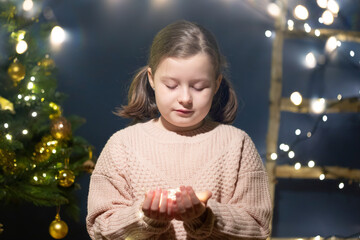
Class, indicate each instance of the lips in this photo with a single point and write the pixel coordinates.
(183, 111)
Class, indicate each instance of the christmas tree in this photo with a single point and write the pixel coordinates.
(40, 158)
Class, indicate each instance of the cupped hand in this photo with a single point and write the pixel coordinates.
(190, 205)
(157, 206)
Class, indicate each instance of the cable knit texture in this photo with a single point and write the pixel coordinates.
(215, 157)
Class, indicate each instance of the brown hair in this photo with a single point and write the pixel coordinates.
(181, 39)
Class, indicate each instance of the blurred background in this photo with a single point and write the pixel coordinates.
(107, 41)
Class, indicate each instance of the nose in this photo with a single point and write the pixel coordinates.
(185, 97)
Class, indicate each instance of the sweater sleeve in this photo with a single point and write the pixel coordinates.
(247, 214)
(112, 211)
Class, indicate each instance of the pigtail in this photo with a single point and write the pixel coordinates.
(141, 99)
(224, 105)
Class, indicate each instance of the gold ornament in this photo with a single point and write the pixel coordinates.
(66, 177)
(61, 128)
(44, 149)
(46, 63)
(17, 72)
(8, 161)
(89, 165)
(58, 229)
(6, 105)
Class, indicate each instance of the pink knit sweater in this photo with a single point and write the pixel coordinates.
(215, 157)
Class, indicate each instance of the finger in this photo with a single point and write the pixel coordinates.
(154, 210)
(147, 202)
(170, 211)
(188, 205)
(179, 203)
(204, 196)
(194, 199)
(163, 206)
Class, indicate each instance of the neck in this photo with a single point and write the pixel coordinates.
(170, 127)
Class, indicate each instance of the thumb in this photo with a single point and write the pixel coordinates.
(204, 196)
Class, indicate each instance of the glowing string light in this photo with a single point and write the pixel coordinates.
(310, 60)
(328, 17)
(322, 3)
(311, 164)
(28, 5)
(268, 33)
(296, 98)
(301, 12)
(21, 47)
(57, 35)
(333, 6)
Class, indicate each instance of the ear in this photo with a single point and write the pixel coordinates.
(218, 82)
(150, 78)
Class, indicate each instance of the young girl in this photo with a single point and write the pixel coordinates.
(180, 172)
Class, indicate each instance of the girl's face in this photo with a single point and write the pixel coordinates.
(184, 89)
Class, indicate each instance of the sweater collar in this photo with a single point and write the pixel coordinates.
(158, 132)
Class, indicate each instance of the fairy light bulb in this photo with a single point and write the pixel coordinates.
(273, 9)
(291, 154)
(333, 6)
(273, 156)
(311, 164)
(322, 176)
(21, 47)
(34, 114)
(327, 17)
(19, 96)
(297, 166)
(341, 185)
(317, 32)
(297, 132)
(352, 53)
(339, 97)
(30, 85)
(8, 137)
(307, 27)
(331, 44)
(318, 105)
(286, 148)
(25, 131)
(28, 5)
(268, 33)
(301, 12)
(324, 118)
(310, 60)
(290, 24)
(322, 3)
(296, 98)
(6, 125)
(57, 35)
(308, 134)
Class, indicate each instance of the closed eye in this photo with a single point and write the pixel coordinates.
(171, 86)
(199, 88)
